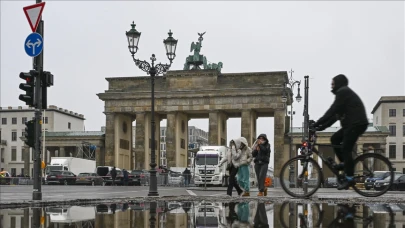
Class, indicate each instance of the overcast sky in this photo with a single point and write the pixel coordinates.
(85, 43)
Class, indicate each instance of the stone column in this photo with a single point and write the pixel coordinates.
(280, 158)
(109, 139)
(62, 152)
(26, 217)
(171, 142)
(248, 126)
(140, 141)
(217, 133)
(384, 152)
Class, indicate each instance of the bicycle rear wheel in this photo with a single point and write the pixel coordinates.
(293, 174)
(364, 167)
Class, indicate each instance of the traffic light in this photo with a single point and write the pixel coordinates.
(47, 81)
(30, 133)
(28, 87)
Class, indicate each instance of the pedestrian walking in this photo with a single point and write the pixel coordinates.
(261, 154)
(113, 173)
(245, 160)
(186, 175)
(232, 157)
(126, 178)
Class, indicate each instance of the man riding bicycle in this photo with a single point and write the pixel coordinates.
(350, 110)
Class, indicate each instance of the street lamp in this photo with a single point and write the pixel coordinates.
(291, 84)
(170, 45)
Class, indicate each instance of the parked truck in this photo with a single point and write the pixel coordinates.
(207, 160)
(72, 164)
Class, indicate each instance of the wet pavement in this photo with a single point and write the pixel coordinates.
(190, 214)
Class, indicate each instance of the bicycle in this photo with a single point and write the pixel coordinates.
(311, 169)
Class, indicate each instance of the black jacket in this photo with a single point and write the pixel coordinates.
(347, 107)
(262, 155)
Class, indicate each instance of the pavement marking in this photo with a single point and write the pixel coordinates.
(55, 196)
(103, 193)
(191, 192)
(218, 194)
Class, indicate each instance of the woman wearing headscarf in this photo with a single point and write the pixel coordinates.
(261, 154)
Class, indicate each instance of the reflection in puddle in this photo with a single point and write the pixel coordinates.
(207, 214)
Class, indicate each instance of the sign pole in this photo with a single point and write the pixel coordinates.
(38, 66)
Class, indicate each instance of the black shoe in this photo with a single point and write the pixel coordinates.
(346, 184)
(339, 167)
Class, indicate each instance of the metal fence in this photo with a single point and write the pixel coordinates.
(163, 179)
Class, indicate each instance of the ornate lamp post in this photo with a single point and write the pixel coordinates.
(170, 44)
(291, 84)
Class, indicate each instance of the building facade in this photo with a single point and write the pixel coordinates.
(390, 112)
(12, 128)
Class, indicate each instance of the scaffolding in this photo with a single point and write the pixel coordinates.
(86, 150)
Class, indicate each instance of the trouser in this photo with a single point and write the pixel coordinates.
(232, 181)
(261, 216)
(243, 212)
(243, 177)
(347, 137)
(113, 181)
(261, 173)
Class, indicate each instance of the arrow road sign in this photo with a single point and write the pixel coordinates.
(33, 14)
(33, 44)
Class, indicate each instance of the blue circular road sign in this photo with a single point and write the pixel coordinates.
(34, 44)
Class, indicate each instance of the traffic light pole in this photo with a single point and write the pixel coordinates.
(38, 66)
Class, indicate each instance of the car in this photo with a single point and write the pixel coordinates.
(331, 182)
(61, 177)
(377, 175)
(137, 175)
(398, 183)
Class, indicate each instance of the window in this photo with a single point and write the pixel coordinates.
(392, 113)
(392, 151)
(32, 155)
(22, 171)
(162, 139)
(24, 120)
(22, 154)
(403, 112)
(46, 120)
(191, 131)
(14, 154)
(13, 171)
(393, 130)
(163, 133)
(403, 151)
(403, 170)
(376, 120)
(69, 125)
(4, 121)
(14, 120)
(14, 136)
(403, 130)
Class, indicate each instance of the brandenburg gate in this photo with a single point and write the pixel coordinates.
(181, 95)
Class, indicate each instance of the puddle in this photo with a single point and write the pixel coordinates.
(207, 214)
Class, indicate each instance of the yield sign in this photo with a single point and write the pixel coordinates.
(33, 14)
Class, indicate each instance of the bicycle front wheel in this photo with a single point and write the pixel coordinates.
(301, 177)
(365, 167)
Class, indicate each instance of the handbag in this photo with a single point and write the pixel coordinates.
(228, 167)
